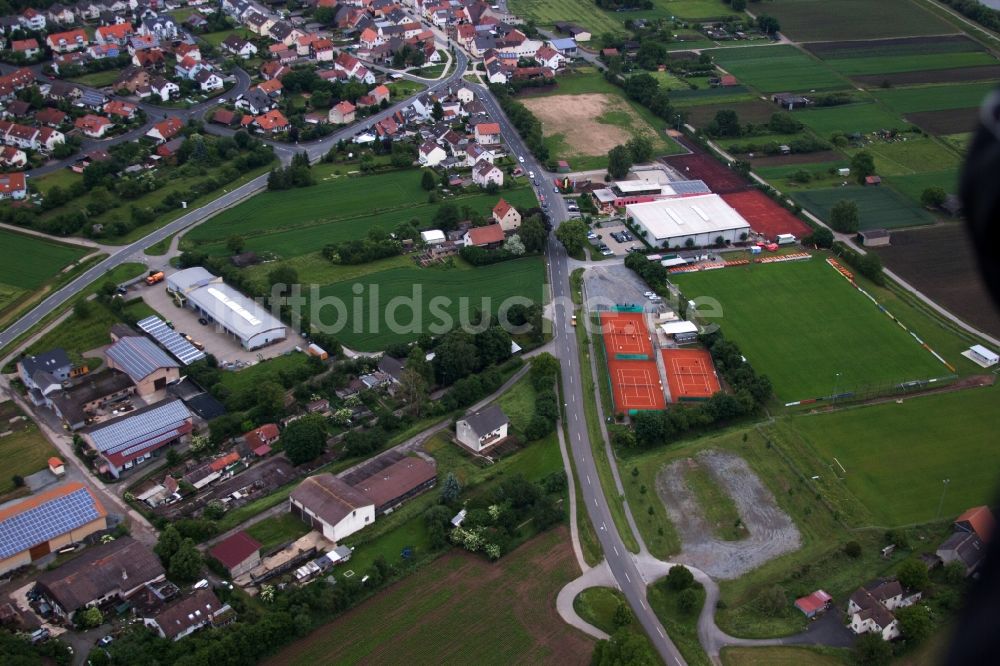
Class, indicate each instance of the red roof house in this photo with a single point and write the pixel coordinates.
(239, 553)
(978, 520)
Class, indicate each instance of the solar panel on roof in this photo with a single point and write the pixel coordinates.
(139, 357)
(181, 349)
(140, 430)
(46, 521)
(689, 187)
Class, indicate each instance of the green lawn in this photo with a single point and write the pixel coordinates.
(849, 118)
(399, 304)
(265, 371)
(819, 20)
(98, 79)
(680, 626)
(935, 98)
(780, 656)
(782, 68)
(64, 178)
(909, 63)
(913, 155)
(896, 455)
(24, 451)
(913, 185)
(879, 207)
(597, 605)
(276, 530)
(802, 324)
(28, 262)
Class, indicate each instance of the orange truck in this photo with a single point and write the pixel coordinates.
(154, 277)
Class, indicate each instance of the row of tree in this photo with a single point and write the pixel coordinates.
(297, 174)
(524, 121)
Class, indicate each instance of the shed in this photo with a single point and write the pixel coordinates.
(874, 237)
(814, 604)
(432, 236)
(239, 553)
(873, 180)
(982, 356)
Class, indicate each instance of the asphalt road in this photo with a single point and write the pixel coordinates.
(133, 251)
(620, 561)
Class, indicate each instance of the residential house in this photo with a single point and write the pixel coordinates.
(188, 50)
(506, 216)
(239, 47)
(129, 440)
(465, 94)
(22, 136)
(474, 153)
(60, 15)
(149, 59)
(490, 236)
(132, 78)
(51, 117)
(163, 27)
(484, 173)
(12, 186)
(549, 57)
(29, 48)
(149, 366)
(94, 126)
(380, 93)
(45, 522)
(165, 129)
(88, 10)
(49, 138)
(45, 372)
(272, 88)
(17, 108)
(264, 436)
(32, 19)
(566, 47)
(273, 121)
(255, 101)
(977, 520)
(224, 117)
(274, 70)
(114, 34)
(208, 81)
(183, 617)
(163, 88)
(488, 134)
(870, 608)
(321, 50)
(103, 573)
(169, 149)
(187, 68)
(77, 402)
(496, 72)
(13, 158)
(342, 113)
(431, 154)
(483, 429)
(64, 42)
(122, 110)
(332, 506)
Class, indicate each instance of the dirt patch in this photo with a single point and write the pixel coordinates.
(939, 262)
(575, 118)
(797, 158)
(415, 620)
(949, 121)
(955, 75)
(771, 530)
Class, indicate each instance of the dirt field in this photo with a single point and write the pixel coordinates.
(772, 532)
(938, 261)
(956, 75)
(699, 165)
(460, 609)
(765, 215)
(575, 118)
(797, 158)
(950, 121)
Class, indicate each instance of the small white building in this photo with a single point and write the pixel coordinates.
(431, 154)
(687, 221)
(981, 356)
(432, 236)
(483, 429)
(331, 506)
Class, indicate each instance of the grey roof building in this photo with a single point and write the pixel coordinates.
(138, 357)
(129, 440)
(482, 429)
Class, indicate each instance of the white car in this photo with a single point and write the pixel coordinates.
(655, 298)
(649, 294)
(607, 253)
(520, 159)
(591, 235)
(531, 174)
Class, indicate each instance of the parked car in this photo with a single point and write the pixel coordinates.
(106, 641)
(520, 158)
(607, 252)
(555, 190)
(591, 235)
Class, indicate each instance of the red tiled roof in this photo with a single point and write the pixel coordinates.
(501, 208)
(488, 128)
(491, 233)
(11, 182)
(980, 519)
(235, 550)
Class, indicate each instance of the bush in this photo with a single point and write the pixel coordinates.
(679, 578)
(852, 549)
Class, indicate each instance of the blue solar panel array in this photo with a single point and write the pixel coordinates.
(132, 433)
(182, 350)
(139, 357)
(690, 187)
(46, 521)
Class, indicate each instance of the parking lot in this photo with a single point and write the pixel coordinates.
(614, 284)
(617, 238)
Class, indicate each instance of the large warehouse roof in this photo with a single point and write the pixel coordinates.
(222, 303)
(687, 216)
(141, 429)
(139, 357)
(46, 516)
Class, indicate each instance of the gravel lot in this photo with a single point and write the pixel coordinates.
(772, 532)
(613, 284)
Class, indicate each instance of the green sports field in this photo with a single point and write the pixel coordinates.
(878, 207)
(781, 68)
(822, 20)
(437, 293)
(802, 323)
(896, 455)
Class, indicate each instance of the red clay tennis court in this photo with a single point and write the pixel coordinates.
(635, 385)
(765, 215)
(626, 334)
(697, 165)
(690, 374)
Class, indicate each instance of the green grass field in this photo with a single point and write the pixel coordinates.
(896, 455)
(912, 186)
(819, 20)
(802, 324)
(879, 207)
(935, 98)
(98, 79)
(909, 63)
(681, 627)
(780, 656)
(266, 371)
(293, 223)
(427, 297)
(24, 451)
(914, 155)
(29, 261)
(850, 118)
(581, 12)
(277, 530)
(781, 68)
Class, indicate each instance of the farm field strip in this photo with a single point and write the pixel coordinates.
(909, 63)
(935, 98)
(27, 262)
(781, 68)
(820, 20)
(879, 207)
(900, 46)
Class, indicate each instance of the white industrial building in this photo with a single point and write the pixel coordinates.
(702, 219)
(249, 323)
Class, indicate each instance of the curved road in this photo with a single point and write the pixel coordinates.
(315, 151)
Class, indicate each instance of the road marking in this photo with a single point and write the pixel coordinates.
(588, 480)
(616, 551)
(643, 603)
(579, 437)
(604, 526)
(660, 631)
(627, 578)
(595, 502)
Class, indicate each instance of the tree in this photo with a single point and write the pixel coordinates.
(844, 217)
(738, 5)
(168, 544)
(623, 615)
(514, 245)
(573, 235)
(455, 357)
(624, 647)
(773, 601)
(533, 234)
(185, 565)
(451, 488)
(954, 572)
(933, 197)
(870, 266)
(413, 389)
(89, 618)
(852, 549)
(304, 439)
(640, 148)
(428, 181)
(437, 111)
(679, 578)
(912, 575)
(83, 309)
(822, 237)
(687, 600)
(619, 162)
(862, 165)
(915, 623)
(283, 274)
(725, 124)
(768, 24)
(871, 650)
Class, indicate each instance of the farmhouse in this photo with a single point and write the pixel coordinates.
(870, 608)
(148, 365)
(331, 506)
(130, 440)
(105, 572)
(688, 221)
(185, 616)
(490, 236)
(44, 372)
(483, 429)
(506, 216)
(405, 478)
(75, 404)
(239, 553)
(43, 523)
(246, 321)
